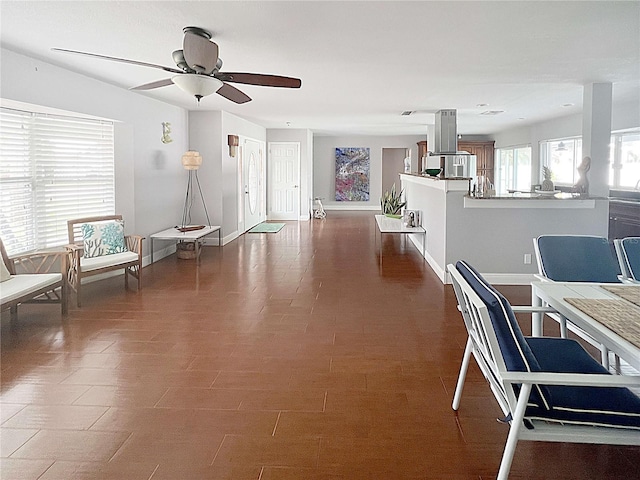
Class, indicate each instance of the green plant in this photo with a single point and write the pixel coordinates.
(391, 201)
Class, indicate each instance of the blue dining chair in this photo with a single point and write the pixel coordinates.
(549, 389)
(575, 258)
(628, 252)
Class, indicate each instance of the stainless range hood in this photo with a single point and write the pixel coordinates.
(446, 131)
(452, 163)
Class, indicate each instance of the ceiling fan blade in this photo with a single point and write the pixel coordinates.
(116, 59)
(150, 86)
(260, 79)
(200, 54)
(232, 93)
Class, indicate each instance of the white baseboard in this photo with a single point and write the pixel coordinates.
(493, 278)
(352, 207)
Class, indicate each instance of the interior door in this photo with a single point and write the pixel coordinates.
(253, 183)
(284, 181)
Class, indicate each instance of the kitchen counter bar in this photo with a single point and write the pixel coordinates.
(495, 234)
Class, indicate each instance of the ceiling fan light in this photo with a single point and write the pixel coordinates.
(197, 85)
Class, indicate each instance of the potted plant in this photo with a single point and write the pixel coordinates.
(391, 202)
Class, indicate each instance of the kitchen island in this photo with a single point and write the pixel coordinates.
(494, 234)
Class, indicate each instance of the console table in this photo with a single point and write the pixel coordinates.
(396, 225)
(195, 236)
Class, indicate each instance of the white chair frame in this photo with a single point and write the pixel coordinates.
(621, 253)
(483, 345)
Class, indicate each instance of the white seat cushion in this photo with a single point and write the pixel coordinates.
(4, 271)
(23, 284)
(95, 263)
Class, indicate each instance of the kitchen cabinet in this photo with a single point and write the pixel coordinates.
(422, 151)
(624, 219)
(484, 152)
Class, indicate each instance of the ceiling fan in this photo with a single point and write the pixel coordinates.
(198, 71)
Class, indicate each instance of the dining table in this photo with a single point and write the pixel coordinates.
(609, 313)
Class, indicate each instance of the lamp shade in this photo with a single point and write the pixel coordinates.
(191, 160)
(197, 85)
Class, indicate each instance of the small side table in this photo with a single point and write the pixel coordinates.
(395, 226)
(196, 236)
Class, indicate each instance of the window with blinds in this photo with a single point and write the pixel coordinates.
(52, 169)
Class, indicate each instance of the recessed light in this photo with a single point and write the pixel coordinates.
(482, 105)
(492, 112)
(520, 118)
(567, 104)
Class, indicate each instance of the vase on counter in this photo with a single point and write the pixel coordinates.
(547, 183)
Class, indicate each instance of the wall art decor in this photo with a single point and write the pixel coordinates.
(352, 174)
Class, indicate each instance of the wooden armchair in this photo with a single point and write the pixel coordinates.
(84, 265)
(34, 280)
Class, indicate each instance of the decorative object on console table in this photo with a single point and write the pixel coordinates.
(191, 161)
(391, 202)
(411, 218)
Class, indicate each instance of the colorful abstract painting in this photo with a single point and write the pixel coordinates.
(352, 174)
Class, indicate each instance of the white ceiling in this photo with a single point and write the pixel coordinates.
(361, 63)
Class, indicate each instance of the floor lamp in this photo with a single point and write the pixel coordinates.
(191, 161)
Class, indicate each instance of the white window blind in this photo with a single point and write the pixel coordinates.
(52, 169)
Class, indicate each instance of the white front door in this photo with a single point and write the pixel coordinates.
(284, 181)
(253, 183)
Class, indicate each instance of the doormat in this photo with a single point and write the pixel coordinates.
(267, 228)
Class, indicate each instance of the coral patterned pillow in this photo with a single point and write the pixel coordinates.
(103, 238)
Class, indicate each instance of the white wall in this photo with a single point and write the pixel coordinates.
(204, 137)
(324, 166)
(219, 173)
(623, 116)
(305, 139)
(150, 180)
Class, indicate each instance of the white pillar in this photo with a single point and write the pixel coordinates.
(596, 135)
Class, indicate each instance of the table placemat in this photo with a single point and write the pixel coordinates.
(629, 292)
(618, 315)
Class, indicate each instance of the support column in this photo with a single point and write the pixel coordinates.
(596, 135)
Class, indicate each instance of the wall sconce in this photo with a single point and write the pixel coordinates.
(232, 141)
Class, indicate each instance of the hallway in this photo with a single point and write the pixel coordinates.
(281, 356)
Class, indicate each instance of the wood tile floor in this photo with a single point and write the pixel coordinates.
(282, 356)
